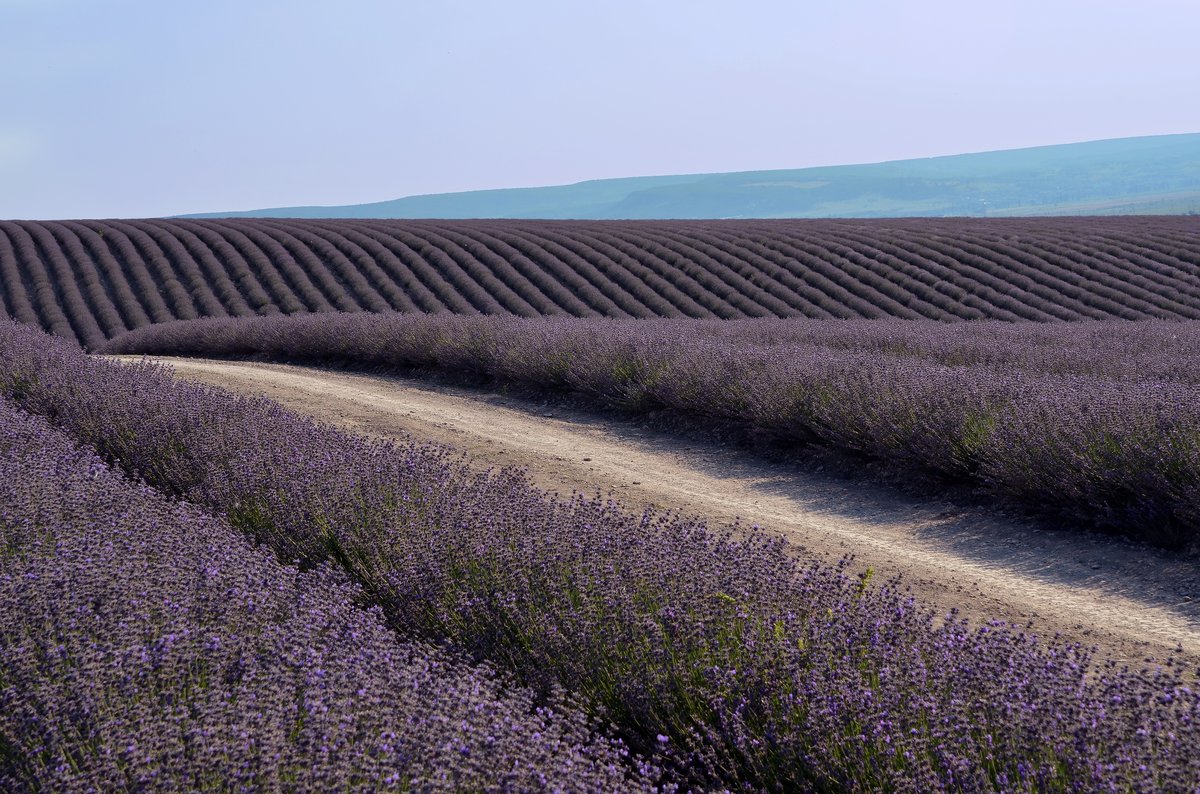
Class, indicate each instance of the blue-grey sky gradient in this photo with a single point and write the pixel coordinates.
(122, 108)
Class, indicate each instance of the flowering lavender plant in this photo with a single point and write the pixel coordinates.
(149, 646)
(728, 661)
(1095, 421)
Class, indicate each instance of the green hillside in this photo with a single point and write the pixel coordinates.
(1146, 175)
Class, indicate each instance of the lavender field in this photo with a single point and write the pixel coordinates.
(215, 593)
(1095, 422)
(91, 280)
(719, 663)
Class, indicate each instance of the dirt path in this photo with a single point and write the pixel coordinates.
(1129, 600)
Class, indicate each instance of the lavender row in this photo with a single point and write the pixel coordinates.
(1098, 422)
(91, 280)
(149, 646)
(727, 661)
(1149, 350)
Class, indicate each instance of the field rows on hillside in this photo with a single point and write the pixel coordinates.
(91, 280)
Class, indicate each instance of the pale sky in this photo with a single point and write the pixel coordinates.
(125, 108)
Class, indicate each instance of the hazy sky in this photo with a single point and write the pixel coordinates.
(155, 107)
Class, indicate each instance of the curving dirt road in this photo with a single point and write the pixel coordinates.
(1130, 601)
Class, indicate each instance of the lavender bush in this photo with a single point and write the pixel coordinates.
(148, 646)
(726, 660)
(1096, 421)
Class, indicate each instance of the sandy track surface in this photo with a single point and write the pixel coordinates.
(1129, 600)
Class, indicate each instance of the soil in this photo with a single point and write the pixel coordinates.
(1132, 602)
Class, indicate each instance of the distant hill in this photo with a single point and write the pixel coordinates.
(1125, 176)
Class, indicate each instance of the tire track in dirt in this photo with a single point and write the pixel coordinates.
(1129, 600)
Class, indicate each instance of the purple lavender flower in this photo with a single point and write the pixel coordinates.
(763, 672)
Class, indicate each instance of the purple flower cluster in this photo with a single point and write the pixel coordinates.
(148, 646)
(728, 662)
(1096, 421)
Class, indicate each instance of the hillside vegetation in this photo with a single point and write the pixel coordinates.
(92, 280)
(1150, 174)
